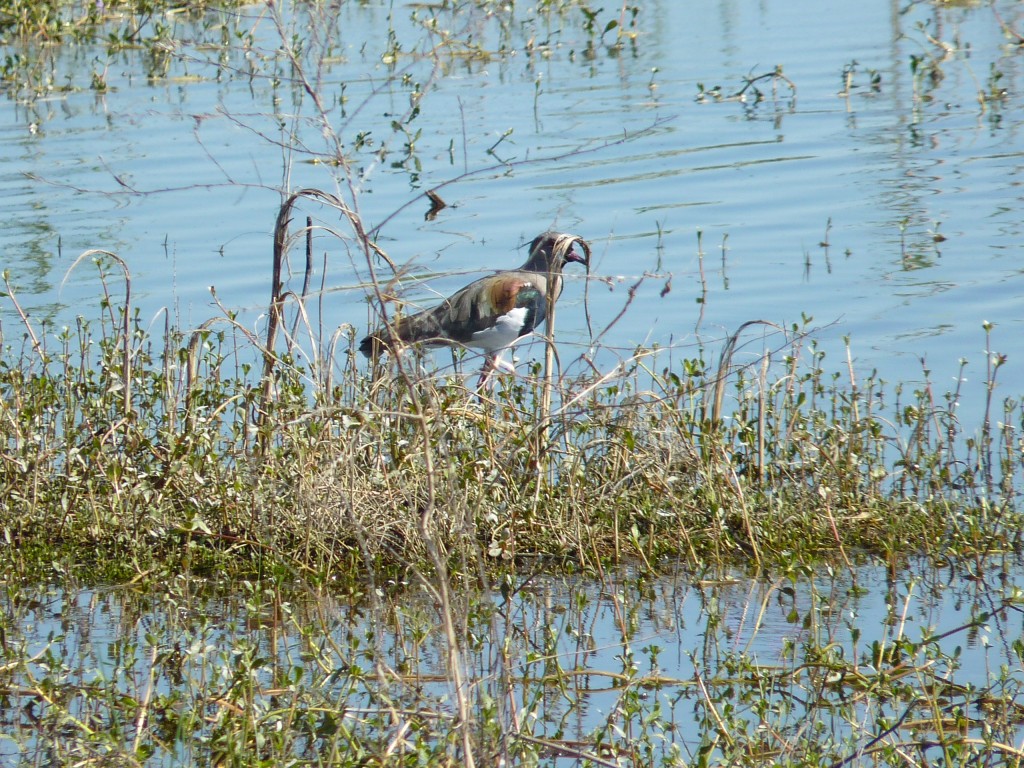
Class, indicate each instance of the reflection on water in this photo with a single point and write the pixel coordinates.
(580, 657)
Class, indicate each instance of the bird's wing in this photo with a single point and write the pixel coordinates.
(515, 299)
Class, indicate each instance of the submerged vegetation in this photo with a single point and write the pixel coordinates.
(230, 548)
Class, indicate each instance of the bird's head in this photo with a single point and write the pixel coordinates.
(551, 251)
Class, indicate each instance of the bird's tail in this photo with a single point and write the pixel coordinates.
(422, 327)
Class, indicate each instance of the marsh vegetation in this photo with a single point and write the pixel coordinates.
(237, 546)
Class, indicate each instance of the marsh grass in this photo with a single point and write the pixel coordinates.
(127, 451)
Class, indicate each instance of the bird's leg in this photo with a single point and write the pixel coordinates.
(484, 382)
(501, 364)
(493, 363)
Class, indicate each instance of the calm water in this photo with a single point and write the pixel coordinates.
(181, 175)
(189, 651)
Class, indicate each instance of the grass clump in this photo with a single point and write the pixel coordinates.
(127, 453)
(58, 21)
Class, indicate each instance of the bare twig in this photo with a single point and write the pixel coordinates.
(126, 339)
(24, 318)
(277, 295)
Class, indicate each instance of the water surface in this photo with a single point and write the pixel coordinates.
(559, 659)
(545, 124)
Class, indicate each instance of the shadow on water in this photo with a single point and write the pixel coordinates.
(828, 667)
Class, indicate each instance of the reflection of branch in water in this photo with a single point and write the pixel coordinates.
(775, 75)
(741, 95)
(1007, 29)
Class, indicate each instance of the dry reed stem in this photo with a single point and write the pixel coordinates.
(126, 369)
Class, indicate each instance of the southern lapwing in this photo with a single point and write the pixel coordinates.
(491, 313)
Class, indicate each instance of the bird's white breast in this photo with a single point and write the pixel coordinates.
(503, 333)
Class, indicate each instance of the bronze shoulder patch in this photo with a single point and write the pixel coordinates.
(502, 293)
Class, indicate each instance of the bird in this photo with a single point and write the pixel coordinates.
(492, 313)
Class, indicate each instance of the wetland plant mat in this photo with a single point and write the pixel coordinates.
(129, 452)
(125, 452)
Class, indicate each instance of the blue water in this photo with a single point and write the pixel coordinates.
(182, 175)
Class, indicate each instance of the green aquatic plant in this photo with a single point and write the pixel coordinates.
(128, 451)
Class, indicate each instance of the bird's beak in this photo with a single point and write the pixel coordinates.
(569, 254)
